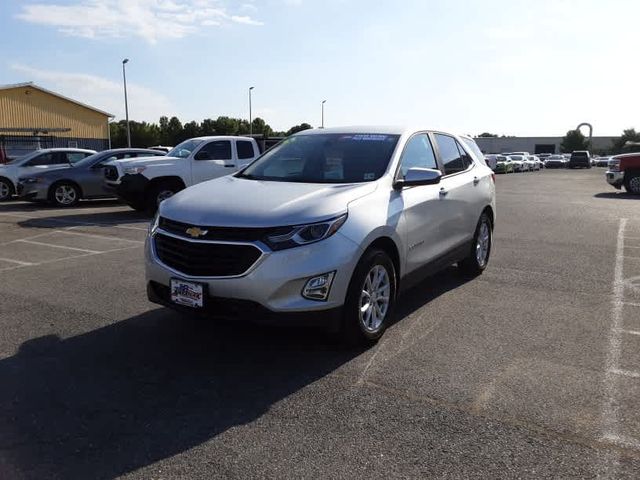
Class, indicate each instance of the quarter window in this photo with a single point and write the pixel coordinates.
(418, 152)
(245, 149)
(71, 157)
(44, 159)
(218, 150)
(466, 158)
(451, 158)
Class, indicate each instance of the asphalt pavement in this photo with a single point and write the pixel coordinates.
(530, 371)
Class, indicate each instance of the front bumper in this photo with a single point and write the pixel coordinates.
(32, 191)
(276, 281)
(615, 179)
(131, 188)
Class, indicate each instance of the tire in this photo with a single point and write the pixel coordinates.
(365, 327)
(64, 194)
(632, 183)
(6, 189)
(160, 192)
(478, 257)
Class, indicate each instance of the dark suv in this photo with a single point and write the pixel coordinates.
(580, 159)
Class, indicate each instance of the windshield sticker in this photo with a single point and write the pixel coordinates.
(369, 176)
(370, 138)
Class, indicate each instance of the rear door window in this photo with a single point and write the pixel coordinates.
(452, 159)
(40, 160)
(245, 149)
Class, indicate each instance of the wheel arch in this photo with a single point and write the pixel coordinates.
(174, 179)
(387, 245)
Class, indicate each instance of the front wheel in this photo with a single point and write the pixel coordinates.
(6, 189)
(478, 257)
(632, 183)
(64, 194)
(160, 192)
(370, 299)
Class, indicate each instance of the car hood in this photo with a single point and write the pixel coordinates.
(142, 161)
(237, 202)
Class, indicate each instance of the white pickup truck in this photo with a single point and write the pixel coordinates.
(145, 182)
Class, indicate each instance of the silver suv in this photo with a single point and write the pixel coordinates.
(326, 226)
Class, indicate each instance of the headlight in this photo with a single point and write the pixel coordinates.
(153, 226)
(134, 170)
(614, 165)
(305, 234)
(30, 180)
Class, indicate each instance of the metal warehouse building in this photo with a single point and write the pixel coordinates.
(33, 117)
(534, 144)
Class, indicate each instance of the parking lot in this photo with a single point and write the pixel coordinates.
(531, 370)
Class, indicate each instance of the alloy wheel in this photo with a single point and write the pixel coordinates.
(375, 298)
(66, 195)
(5, 191)
(482, 244)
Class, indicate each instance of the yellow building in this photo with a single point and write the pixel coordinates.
(33, 117)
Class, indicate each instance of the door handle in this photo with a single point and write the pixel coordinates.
(476, 180)
(230, 166)
(443, 192)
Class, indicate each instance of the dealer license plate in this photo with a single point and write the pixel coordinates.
(187, 293)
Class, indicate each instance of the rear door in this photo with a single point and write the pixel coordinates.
(458, 190)
(214, 159)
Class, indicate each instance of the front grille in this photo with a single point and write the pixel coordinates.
(205, 259)
(110, 172)
(225, 234)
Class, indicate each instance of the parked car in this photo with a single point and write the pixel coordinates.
(519, 164)
(504, 164)
(524, 154)
(580, 159)
(35, 162)
(491, 161)
(555, 161)
(624, 170)
(603, 161)
(65, 187)
(144, 183)
(328, 225)
(543, 156)
(537, 163)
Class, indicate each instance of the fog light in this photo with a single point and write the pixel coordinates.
(317, 288)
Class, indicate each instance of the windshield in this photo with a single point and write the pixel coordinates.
(185, 149)
(516, 157)
(88, 160)
(325, 158)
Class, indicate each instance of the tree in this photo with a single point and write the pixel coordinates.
(298, 128)
(190, 130)
(572, 141)
(208, 127)
(226, 126)
(488, 135)
(628, 135)
(174, 131)
(260, 127)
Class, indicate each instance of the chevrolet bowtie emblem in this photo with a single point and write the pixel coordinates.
(196, 232)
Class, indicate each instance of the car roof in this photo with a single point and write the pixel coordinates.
(220, 137)
(376, 130)
(44, 150)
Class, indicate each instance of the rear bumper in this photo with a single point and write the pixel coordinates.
(615, 179)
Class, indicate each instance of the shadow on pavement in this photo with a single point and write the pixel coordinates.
(19, 206)
(116, 399)
(617, 195)
(101, 219)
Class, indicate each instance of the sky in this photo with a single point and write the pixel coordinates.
(525, 68)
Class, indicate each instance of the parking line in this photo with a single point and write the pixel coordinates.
(610, 414)
(56, 260)
(31, 242)
(15, 261)
(625, 373)
(630, 332)
(104, 237)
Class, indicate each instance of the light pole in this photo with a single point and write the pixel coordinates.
(322, 124)
(250, 119)
(126, 104)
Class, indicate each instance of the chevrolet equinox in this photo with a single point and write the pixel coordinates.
(326, 226)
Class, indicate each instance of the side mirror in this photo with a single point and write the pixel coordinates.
(418, 176)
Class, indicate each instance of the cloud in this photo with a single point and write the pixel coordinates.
(246, 20)
(102, 93)
(152, 20)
